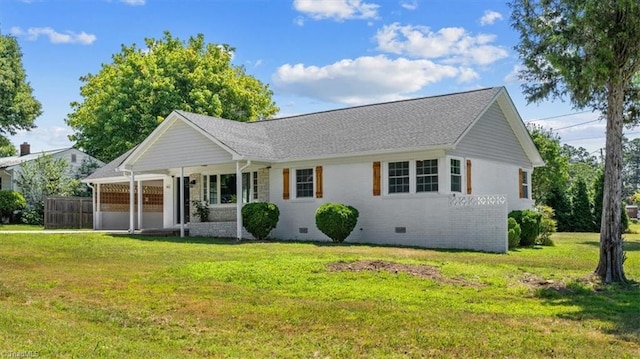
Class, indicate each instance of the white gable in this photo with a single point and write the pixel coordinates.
(180, 145)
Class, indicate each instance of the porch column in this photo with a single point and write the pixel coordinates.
(139, 204)
(132, 203)
(181, 199)
(98, 219)
(239, 198)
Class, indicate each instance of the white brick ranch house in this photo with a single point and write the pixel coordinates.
(437, 172)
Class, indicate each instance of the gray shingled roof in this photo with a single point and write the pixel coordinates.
(16, 160)
(417, 123)
(109, 170)
(428, 122)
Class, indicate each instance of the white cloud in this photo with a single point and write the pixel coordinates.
(362, 80)
(409, 5)
(134, 2)
(449, 45)
(490, 17)
(44, 138)
(68, 37)
(299, 21)
(467, 75)
(513, 76)
(338, 10)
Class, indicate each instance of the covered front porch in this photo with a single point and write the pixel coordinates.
(152, 201)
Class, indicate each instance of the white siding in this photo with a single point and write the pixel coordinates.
(492, 138)
(180, 146)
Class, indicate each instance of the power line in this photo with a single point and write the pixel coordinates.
(558, 116)
(575, 125)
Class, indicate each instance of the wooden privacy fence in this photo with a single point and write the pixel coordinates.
(68, 212)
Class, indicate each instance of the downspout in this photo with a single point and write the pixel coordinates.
(239, 198)
(93, 203)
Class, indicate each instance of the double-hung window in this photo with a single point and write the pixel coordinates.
(427, 176)
(412, 176)
(399, 177)
(456, 175)
(524, 184)
(304, 182)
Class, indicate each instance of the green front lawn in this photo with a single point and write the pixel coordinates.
(104, 296)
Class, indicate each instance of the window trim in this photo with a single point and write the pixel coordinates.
(524, 181)
(449, 174)
(409, 172)
(413, 177)
(294, 174)
(204, 189)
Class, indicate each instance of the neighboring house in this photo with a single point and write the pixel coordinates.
(10, 166)
(440, 172)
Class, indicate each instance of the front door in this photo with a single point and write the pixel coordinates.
(186, 200)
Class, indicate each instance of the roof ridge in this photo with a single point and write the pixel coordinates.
(375, 104)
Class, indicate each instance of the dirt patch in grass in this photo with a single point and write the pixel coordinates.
(534, 282)
(422, 271)
(590, 283)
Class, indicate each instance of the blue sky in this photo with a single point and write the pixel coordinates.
(314, 54)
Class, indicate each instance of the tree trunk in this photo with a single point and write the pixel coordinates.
(610, 267)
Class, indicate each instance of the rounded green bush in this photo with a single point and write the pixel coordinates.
(259, 218)
(529, 222)
(336, 220)
(11, 201)
(514, 233)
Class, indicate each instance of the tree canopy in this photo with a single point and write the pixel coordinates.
(18, 107)
(587, 51)
(125, 101)
(7, 148)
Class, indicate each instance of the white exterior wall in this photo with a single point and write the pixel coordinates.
(430, 219)
(488, 177)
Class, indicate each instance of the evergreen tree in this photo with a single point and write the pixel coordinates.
(557, 199)
(582, 219)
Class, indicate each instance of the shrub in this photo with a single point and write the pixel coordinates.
(547, 225)
(529, 222)
(10, 201)
(514, 233)
(34, 215)
(336, 220)
(202, 210)
(259, 218)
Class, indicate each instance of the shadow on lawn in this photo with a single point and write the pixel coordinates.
(629, 246)
(233, 241)
(615, 304)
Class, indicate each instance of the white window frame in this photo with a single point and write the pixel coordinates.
(294, 181)
(204, 189)
(449, 174)
(388, 184)
(413, 181)
(526, 184)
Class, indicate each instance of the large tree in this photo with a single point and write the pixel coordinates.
(18, 107)
(587, 51)
(6, 147)
(127, 98)
(555, 171)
